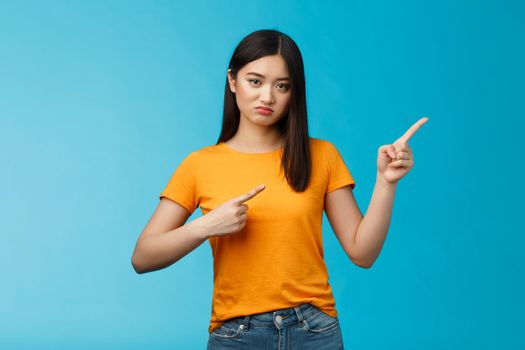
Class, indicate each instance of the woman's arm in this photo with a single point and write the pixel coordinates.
(166, 239)
(362, 238)
(373, 228)
(160, 250)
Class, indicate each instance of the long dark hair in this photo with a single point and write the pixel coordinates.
(294, 126)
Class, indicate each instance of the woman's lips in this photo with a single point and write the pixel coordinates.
(263, 110)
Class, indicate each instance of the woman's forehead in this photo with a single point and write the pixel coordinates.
(268, 66)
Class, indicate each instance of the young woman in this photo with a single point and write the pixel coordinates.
(271, 288)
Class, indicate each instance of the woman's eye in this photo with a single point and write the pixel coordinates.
(282, 86)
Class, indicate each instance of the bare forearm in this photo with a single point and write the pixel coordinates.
(157, 251)
(372, 230)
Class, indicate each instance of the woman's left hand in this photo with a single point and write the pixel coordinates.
(395, 161)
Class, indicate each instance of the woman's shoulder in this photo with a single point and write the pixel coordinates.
(323, 143)
(323, 148)
(204, 152)
(318, 143)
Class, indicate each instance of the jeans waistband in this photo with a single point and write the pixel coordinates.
(281, 317)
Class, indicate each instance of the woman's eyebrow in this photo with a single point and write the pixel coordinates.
(262, 76)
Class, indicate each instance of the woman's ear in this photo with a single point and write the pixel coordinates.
(231, 81)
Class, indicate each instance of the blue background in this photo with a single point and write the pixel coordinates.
(101, 100)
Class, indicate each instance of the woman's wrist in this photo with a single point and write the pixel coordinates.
(382, 182)
(199, 227)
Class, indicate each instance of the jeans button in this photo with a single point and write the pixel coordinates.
(278, 318)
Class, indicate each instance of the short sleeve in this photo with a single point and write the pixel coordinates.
(182, 186)
(338, 173)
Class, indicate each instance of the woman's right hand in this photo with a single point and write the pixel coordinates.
(230, 217)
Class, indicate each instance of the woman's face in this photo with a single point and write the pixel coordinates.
(262, 83)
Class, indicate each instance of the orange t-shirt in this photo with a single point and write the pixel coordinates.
(276, 261)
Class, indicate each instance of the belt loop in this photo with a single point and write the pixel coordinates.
(246, 321)
(298, 312)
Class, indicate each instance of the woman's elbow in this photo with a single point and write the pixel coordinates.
(136, 265)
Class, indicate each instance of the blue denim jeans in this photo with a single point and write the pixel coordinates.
(302, 327)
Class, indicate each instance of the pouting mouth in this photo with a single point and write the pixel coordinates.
(264, 108)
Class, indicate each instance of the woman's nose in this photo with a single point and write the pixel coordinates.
(267, 96)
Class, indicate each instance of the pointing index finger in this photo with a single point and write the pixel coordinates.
(250, 195)
(412, 130)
